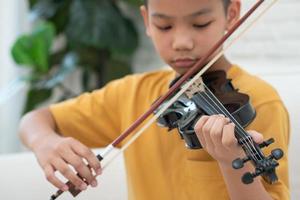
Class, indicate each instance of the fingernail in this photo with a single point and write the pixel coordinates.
(83, 186)
(99, 171)
(94, 183)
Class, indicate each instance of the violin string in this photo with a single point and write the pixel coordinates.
(240, 130)
(229, 114)
(253, 154)
(247, 147)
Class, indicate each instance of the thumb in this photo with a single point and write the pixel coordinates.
(256, 136)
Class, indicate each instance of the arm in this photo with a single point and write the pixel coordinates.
(38, 132)
(44, 126)
(239, 190)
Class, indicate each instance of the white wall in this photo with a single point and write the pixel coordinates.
(273, 44)
(12, 23)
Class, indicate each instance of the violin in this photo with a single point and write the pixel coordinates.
(215, 94)
(205, 101)
(184, 113)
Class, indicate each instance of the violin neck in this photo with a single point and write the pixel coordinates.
(209, 103)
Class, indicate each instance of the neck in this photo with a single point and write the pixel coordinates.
(221, 64)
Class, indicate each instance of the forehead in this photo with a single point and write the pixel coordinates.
(183, 8)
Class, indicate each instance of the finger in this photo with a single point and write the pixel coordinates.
(217, 129)
(50, 176)
(206, 129)
(77, 162)
(198, 129)
(90, 157)
(256, 136)
(228, 138)
(69, 174)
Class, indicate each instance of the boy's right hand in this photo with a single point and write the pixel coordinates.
(56, 153)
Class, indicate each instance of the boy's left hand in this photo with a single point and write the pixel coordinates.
(216, 135)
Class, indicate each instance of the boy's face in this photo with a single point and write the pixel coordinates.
(184, 30)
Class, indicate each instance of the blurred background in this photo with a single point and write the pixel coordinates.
(51, 50)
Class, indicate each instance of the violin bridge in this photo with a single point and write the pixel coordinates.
(197, 86)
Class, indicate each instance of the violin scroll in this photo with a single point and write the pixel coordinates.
(264, 166)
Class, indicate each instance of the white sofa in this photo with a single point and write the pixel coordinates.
(21, 177)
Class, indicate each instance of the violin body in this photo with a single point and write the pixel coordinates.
(185, 112)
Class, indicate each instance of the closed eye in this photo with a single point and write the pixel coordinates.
(164, 28)
(200, 26)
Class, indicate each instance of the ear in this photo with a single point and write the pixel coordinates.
(233, 13)
(144, 13)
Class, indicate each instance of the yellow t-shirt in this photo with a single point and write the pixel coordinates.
(158, 164)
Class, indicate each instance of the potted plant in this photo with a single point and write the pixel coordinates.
(93, 36)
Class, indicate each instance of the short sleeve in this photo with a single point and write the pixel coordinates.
(92, 118)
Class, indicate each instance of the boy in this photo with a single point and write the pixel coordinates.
(158, 164)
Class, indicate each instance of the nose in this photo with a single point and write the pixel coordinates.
(182, 41)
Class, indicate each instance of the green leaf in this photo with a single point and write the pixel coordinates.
(101, 24)
(36, 97)
(32, 3)
(20, 51)
(116, 69)
(61, 18)
(33, 50)
(45, 31)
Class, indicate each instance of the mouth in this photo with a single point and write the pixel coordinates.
(184, 62)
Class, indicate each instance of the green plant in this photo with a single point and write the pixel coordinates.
(96, 36)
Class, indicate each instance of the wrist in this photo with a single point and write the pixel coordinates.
(227, 168)
(225, 165)
(41, 140)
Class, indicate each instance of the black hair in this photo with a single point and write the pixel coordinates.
(225, 2)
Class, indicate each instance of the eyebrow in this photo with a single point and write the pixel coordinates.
(195, 14)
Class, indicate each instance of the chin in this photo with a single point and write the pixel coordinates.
(181, 71)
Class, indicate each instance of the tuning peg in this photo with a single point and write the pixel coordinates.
(249, 177)
(266, 143)
(239, 163)
(277, 154)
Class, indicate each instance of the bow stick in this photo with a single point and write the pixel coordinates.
(175, 87)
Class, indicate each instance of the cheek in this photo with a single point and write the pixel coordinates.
(212, 39)
(162, 44)
(207, 39)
